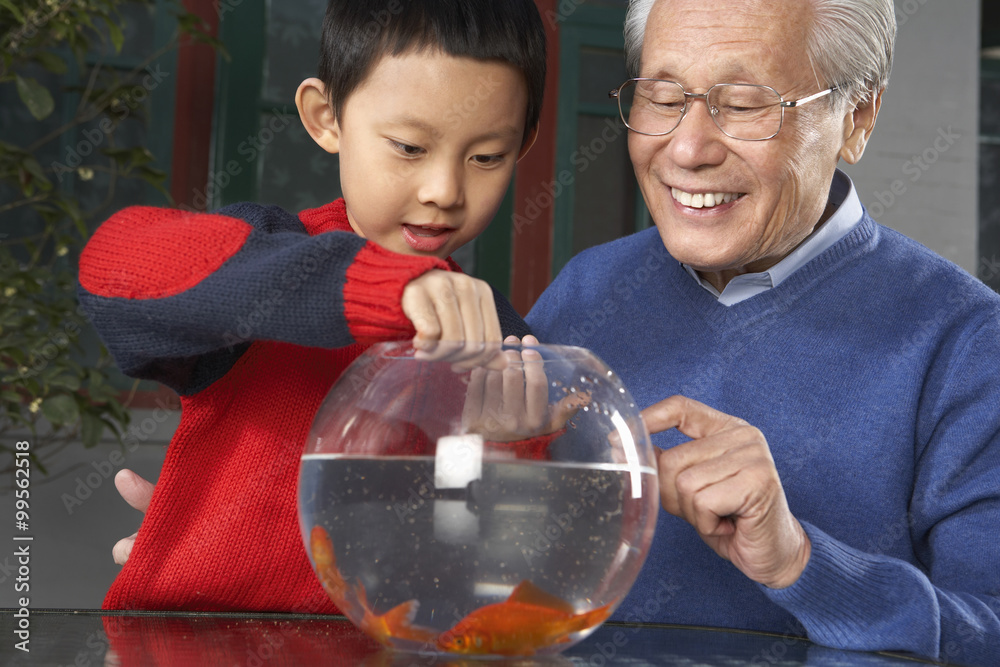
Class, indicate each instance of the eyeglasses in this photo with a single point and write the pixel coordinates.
(742, 111)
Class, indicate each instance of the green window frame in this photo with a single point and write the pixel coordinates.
(587, 27)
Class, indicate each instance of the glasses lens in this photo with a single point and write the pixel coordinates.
(746, 112)
(651, 107)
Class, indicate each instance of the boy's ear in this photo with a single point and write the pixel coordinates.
(858, 126)
(529, 141)
(317, 114)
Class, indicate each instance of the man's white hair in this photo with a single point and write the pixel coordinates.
(850, 46)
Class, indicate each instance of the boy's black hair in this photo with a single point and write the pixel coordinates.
(358, 33)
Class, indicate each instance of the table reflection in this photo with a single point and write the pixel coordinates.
(93, 639)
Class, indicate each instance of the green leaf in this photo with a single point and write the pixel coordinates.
(60, 409)
(32, 167)
(117, 36)
(13, 10)
(95, 379)
(51, 62)
(36, 97)
(115, 429)
(92, 428)
(70, 382)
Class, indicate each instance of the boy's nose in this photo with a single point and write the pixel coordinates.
(442, 184)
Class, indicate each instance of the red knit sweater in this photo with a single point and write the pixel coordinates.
(222, 532)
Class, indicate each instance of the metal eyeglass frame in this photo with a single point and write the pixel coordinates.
(688, 97)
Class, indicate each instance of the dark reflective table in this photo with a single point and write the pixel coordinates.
(95, 639)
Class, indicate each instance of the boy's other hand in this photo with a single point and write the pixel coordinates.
(512, 402)
(137, 492)
(444, 305)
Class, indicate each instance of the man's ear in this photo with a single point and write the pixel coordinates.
(858, 126)
(317, 114)
(529, 141)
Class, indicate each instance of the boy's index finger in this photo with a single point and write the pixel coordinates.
(692, 418)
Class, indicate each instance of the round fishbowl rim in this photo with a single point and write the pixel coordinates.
(566, 352)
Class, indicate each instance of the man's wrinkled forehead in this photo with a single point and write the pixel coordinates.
(739, 41)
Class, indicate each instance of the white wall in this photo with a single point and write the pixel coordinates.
(919, 174)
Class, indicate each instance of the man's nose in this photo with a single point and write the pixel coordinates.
(697, 141)
(442, 184)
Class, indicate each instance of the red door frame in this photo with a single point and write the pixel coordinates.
(534, 217)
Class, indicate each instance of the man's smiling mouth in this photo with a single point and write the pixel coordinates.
(704, 200)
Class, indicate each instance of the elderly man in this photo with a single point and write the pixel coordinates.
(848, 468)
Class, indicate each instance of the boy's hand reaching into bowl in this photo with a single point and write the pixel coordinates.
(512, 402)
(449, 306)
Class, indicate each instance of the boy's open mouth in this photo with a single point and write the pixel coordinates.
(426, 238)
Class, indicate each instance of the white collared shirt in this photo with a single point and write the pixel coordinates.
(844, 197)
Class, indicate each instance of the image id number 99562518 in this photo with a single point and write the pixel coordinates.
(22, 546)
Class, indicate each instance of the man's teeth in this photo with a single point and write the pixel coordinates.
(706, 200)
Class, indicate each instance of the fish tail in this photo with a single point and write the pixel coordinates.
(402, 615)
(397, 623)
(591, 618)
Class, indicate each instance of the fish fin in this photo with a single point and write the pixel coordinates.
(402, 615)
(528, 593)
(398, 621)
(362, 596)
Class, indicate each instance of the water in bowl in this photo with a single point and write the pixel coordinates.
(526, 559)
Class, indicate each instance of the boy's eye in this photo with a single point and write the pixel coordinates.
(488, 160)
(406, 149)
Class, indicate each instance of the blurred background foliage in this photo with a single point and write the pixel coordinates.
(67, 153)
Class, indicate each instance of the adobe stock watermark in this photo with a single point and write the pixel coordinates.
(971, 630)
(291, 279)
(624, 289)
(471, 102)
(926, 330)
(249, 148)
(86, 485)
(906, 9)
(121, 108)
(914, 169)
(778, 650)
(581, 159)
(563, 11)
(542, 539)
(379, 19)
(657, 598)
(35, 21)
(51, 346)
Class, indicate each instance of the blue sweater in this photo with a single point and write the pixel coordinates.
(874, 373)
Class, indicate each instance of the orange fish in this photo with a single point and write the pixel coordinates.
(326, 565)
(397, 623)
(527, 621)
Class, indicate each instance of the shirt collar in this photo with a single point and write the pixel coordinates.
(844, 197)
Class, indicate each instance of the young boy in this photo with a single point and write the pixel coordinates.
(251, 313)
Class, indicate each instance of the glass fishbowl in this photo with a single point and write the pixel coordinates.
(478, 500)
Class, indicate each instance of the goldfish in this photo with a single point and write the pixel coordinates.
(326, 565)
(396, 623)
(527, 621)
